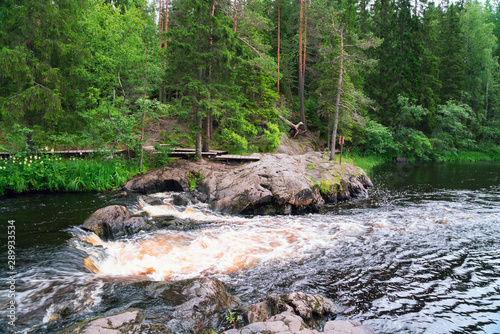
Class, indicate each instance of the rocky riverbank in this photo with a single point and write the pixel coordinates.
(291, 182)
(205, 306)
(277, 184)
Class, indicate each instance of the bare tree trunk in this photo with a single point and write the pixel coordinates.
(486, 105)
(305, 42)
(160, 27)
(199, 135)
(199, 138)
(329, 132)
(235, 9)
(279, 33)
(143, 115)
(165, 29)
(207, 120)
(337, 103)
(142, 140)
(301, 72)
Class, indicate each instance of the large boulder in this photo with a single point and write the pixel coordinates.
(277, 184)
(180, 307)
(299, 313)
(312, 309)
(206, 301)
(113, 221)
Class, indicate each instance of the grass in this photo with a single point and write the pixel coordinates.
(26, 172)
(486, 155)
(365, 162)
(368, 161)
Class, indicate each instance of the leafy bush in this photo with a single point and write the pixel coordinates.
(378, 139)
(413, 144)
(233, 142)
(452, 129)
(271, 138)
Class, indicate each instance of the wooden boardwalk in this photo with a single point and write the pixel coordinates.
(233, 157)
(185, 153)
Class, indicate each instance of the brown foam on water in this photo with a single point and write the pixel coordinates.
(228, 245)
(223, 249)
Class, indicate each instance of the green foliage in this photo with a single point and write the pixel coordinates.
(271, 138)
(379, 140)
(160, 157)
(83, 73)
(233, 142)
(410, 114)
(453, 129)
(365, 161)
(232, 318)
(413, 144)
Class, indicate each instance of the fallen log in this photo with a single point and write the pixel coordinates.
(294, 131)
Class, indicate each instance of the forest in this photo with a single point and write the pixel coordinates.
(396, 78)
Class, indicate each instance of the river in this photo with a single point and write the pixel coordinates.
(420, 255)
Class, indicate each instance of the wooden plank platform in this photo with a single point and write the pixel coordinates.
(234, 157)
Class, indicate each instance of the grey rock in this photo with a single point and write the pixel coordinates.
(107, 222)
(311, 308)
(206, 302)
(128, 321)
(277, 184)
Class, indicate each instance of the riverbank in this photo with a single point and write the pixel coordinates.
(367, 161)
(42, 172)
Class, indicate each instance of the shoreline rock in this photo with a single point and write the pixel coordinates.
(202, 306)
(277, 184)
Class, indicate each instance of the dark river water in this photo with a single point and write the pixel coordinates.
(420, 255)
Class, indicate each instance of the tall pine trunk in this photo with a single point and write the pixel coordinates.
(207, 120)
(235, 9)
(199, 118)
(301, 72)
(160, 26)
(279, 33)
(337, 102)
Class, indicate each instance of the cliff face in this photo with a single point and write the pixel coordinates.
(277, 184)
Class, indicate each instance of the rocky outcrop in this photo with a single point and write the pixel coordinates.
(297, 312)
(204, 305)
(206, 302)
(290, 323)
(113, 221)
(277, 184)
(192, 306)
(312, 309)
(128, 321)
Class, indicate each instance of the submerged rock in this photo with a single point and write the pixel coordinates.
(288, 323)
(277, 184)
(202, 305)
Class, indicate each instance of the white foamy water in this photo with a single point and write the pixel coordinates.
(230, 244)
(221, 249)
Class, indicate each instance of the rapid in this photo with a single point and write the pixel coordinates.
(420, 255)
